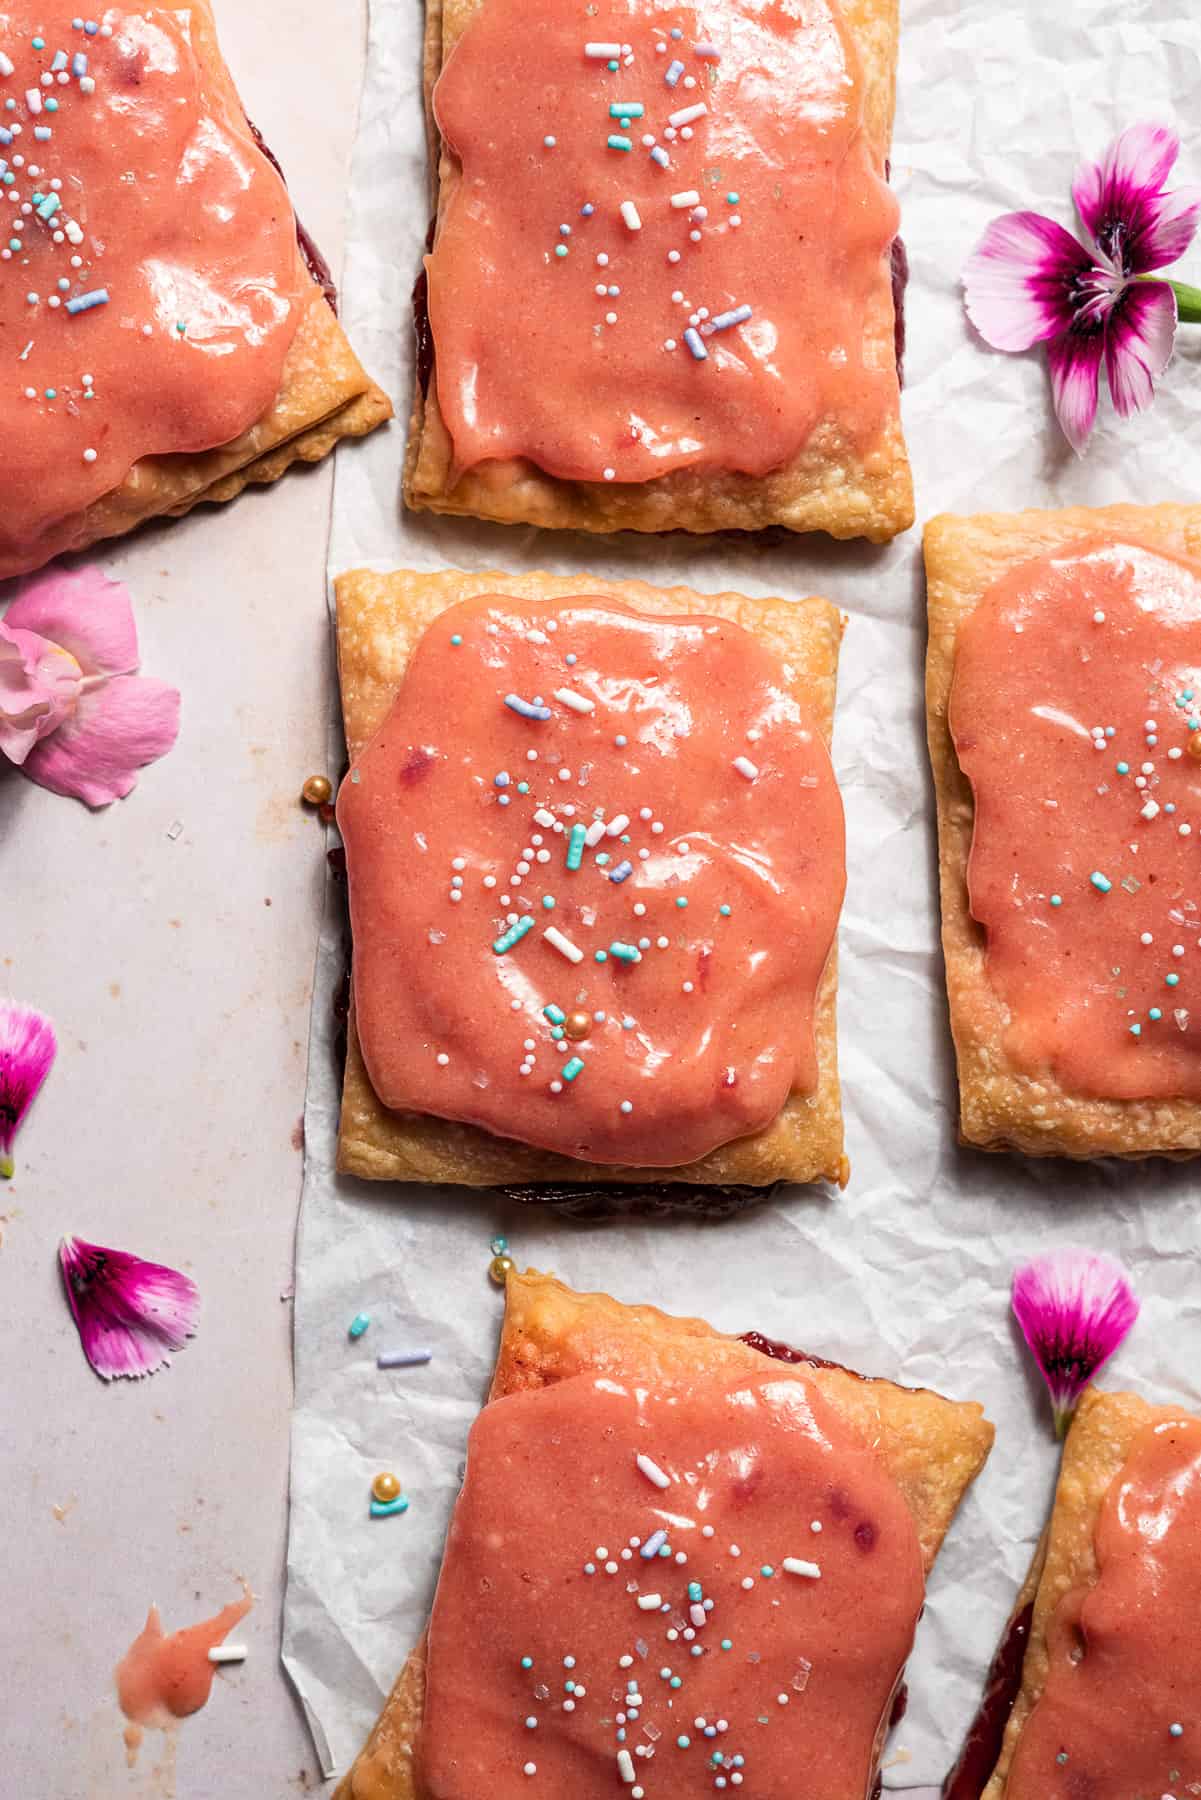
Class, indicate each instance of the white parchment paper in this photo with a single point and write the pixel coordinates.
(905, 1275)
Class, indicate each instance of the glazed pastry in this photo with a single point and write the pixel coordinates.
(675, 1563)
(1104, 1700)
(1064, 710)
(594, 903)
(167, 339)
(660, 292)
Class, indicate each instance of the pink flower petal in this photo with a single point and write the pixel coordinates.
(1123, 207)
(130, 1314)
(27, 1050)
(1020, 279)
(1075, 1308)
(86, 613)
(39, 684)
(116, 728)
(1138, 344)
(1075, 362)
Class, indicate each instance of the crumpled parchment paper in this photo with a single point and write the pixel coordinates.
(906, 1274)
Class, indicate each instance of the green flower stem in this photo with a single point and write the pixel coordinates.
(1188, 302)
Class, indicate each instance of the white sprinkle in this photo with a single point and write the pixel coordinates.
(629, 213)
(33, 100)
(555, 938)
(1146, 938)
(650, 1602)
(625, 1765)
(698, 1615)
(228, 1653)
(578, 703)
(609, 474)
(530, 1769)
(652, 1471)
(1151, 809)
(1177, 949)
(746, 767)
(689, 197)
(594, 833)
(6, 67)
(815, 1525)
(443, 1059)
(602, 52)
(616, 826)
(686, 115)
(796, 1565)
(542, 817)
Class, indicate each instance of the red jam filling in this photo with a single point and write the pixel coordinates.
(673, 255)
(592, 902)
(734, 1607)
(1076, 714)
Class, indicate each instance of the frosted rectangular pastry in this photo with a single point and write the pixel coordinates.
(660, 294)
(756, 1617)
(607, 888)
(170, 334)
(1075, 1013)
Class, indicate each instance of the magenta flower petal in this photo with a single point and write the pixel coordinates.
(27, 1050)
(1020, 279)
(130, 1314)
(86, 613)
(39, 685)
(115, 729)
(1138, 344)
(1075, 362)
(1074, 1308)
(1124, 209)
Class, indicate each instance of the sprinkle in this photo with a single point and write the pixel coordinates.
(625, 1765)
(616, 142)
(653, 1473)
(602, 52)
(6, 64)
(578, 704)
(660, 156)
(626, 109)
(549, 143)
(529, 1768)
(629, 213)
(653, 1544)
(687, 114)
(626, 953)
(575, 846)
(622, 872)
(555, 938)
(79, 64)
(528, 709)
(402, 1359)
(571, 1068)
(795, 1565)
(686, 198)
(33, 100)
(736, 316)
(650, 1602)
(1172, 980)
(673, 72)
(384, 1509)
(746, 767)
(85, 302)
(228, 1653)
(359, 1324)
(555, 1014)
(513, 935)
(1176, 1730)
(707, 52)
(49, 206)
(693, 341)
(1101, 882)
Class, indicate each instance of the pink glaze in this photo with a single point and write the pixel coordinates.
(183, 221)
(1125, 1655)
(721, 1011)
(527, 365)
(162, 1678)
(1035, 673)
(553, 1491)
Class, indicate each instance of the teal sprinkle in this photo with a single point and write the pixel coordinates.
(727, 1643)
(1123, 768)
(665, 1550)
(556, 1032)
(767, 1571)
(39, 43)
(697, 1651)
(694, 1590)
(602, 956)
(731, 199)
(619, 143)
(681, 901)
(554, 1013)
(527, 1662)
(612, 67)
(572, 1067)
(52, 393)
(456, 640)
(1172, 980)
(603, 857)
(1102, 883)
(513, 935)
(683, 1741)
(575, 846)
(548, 901)
(1155, 1014)
(675, 1682)
(560, 249)
(359, 1324)
(383, 1509)
(626, 109)
(51, 105)
(1136, 1031)
(724, 911)
(1056, 899)
(523, 787)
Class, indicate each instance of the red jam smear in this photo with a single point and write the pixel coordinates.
(1118, 1716)
(1104, 987)
(712, 908)
(165, 203)
(796, 224)
(982, 1746)
(794, 1671)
